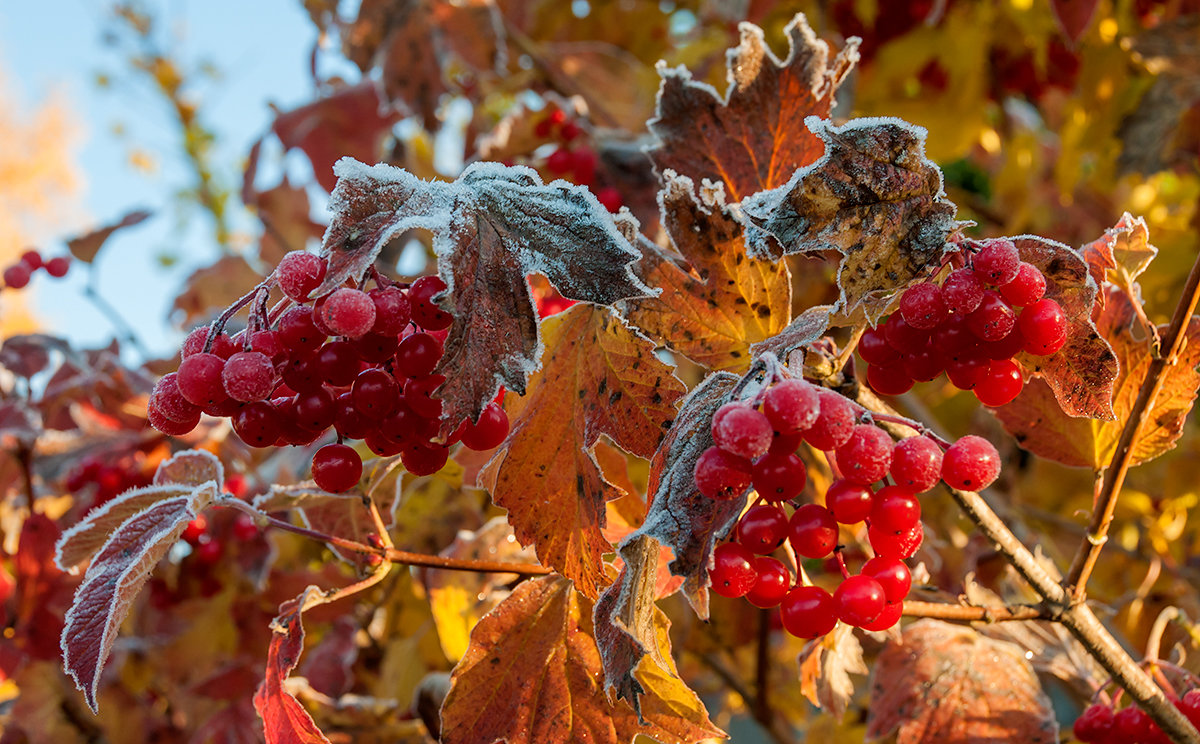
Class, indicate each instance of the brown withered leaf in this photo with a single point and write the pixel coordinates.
(86, 247)
(1120, 255)
(1082, 373)
(874, 197)
(492, 227)
(808, 326)
(716, 301)
(625, 619)
(598, 376)
(948, 684)
(754, 138)
(284, 212)
(412, 60)
(680, 517)
(826, 664)
(1152, 136)
(1039, 425)
(532, 675)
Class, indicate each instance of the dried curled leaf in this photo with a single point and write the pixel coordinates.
(809, 326)
(753, 138)
(1083, 372)
(1039, 425)
(948, 684)
(1120, 255)
(625, 618)
(598, 377)
(190, 468)
(715, 301)
(285, 721)
(531, 675)
(825, 668)
(874, 197)
(492, 227)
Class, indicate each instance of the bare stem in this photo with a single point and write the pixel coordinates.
(1114, 475)
(972, 613)
(124, 331)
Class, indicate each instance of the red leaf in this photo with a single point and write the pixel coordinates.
(1074, 16)
(754, 139)
(285, 721)
(85, 247)
(113, 580)
(82, 541)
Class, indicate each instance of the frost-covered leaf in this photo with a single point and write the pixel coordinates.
(598, 376)
(83, 540)
(190, 467)
(873, 197)
(947, 684)
(715, 300)
(625, 617)
(753, 139)
(1082, 373)
(679, 516)
(86, 247)
(826, 664)
(113, 579)
(532, 676)
(341, 514)
(1120, 255)
(492, 227)
(285, 721)
(1039, 425)
(807, 327)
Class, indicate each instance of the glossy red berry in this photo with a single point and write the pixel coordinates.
(874, 348)
(419, 395)
(336, 468)
(859, 600)
(720, 475)
(58, 266)
(298, 332)
(1132, 724)
(993, 319)
(337, 363)
(424, 458)
(375, 393)
(392, 310)
(888, 617)
(897, 545)
(866, 456)
(771, 583)
(849, 503)
(997, 262)
(892, 574)
(779, 477)
(1026, 288)
(891, 379)
(808, 612)
(813, 531)
(971, 464)
(257, 424)
(904, 337)
(1044, 327)
(489, 431)
(425, 311)
(418, 355)
(1094, 725)
(1000, 384)
(733, 573)
(917, 464)
(762, 528)
(962, 292)
(895, 509)
(17, 276)
(199, 379)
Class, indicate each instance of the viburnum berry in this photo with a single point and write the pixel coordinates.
(610, 198)
(424, 458)
(720, 475)
(808, 612)
(268, 343)
(58, 266)
(299, 273)
(962, 292)
(32, 259)
(257, 424)
(997, 262)
(874, 348)
(1189, 706)
(834, 424)
(891, 379)
(196, 529)
(966, 373)
(849, 503)
(244, 528)
(763, 528)
(418, 355)
(865, 457)
(337, 363)
(922, 307)
(1094, 725)
(171, 402)
(1026, 288)
(771, 584)
(336, 468)
(489, 431)
(424, 311)
(897, 545)
(298, 332)
(888, 617)
(1044, 327)
(733, 573)
(813, 531)
(418, 394)
(392, 310)
(892, 574)
(348, 312)
(315, 410)
(895, 510)
(1006, 348)
(17, 276)
(792, 406)
(559, 161)
(375, 393)
(904, 337)
(741, 430)
(1132, 724)
(916, 464)
(993, 319)
(1000, 384)
(303, 373)
(970, 464)
(349, 421)
(248, 376)
(925, 364)
(200, 381)
(779, 477)
(165, 425)
(859, 600)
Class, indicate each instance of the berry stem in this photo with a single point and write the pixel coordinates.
(218, 325)
(917, 426)
(844, 356)
(1113, 476)
(972, 613)
(841, 561)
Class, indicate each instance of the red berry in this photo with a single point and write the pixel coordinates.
(874, 348)
(1044, 327)
(892, 379)
(967, 372)
(58, 266)
(733, 573)
(200, 379)
(1026, 288)
(392, 310)
(349, 312)
(917, 464)
(997, 262)
(375, 393)
(993, 319)
(424, 458)
(865, 457)
(303, 373)
(895, 510)
(962, 291)
(424, 311)
(835, 423)
(32, 259)
(892, 574)
(762, 528)
(808, 612)
(1094, 725)
(771, 583)
(741, 430)
(1189, 705)
(1007, 347)
(583, 165)
(418, 355)
(720, 475)
(1132, 724)
(922, 307)
(902, 336)
(196, 529)
(17, 276)
(779, 477)
(610, 198)
(925, 364)
(315, 410)
(418, 394)
(559, 161)
(895, 545)
(299, 273)
(165, 425)
(257, 424)
(887, 618)
(170, 401)
(244, 528)
(337, 363)
(970, 464)
(792, 406)
(1001, 384)
(336, 468)
(489, 431)
(859, 600)
(248, 376)
(349, 421)
(298, 332)
(850, 503)
(814, 531)
(268, 343)
(208, 551)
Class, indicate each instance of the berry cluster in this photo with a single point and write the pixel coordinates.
(571, 159)
(207, 543)
(18, 275)
(758, 448)
(967, 327)
(360, 362)
(109, 478)
(1100, 724)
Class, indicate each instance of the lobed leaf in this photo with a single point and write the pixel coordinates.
(873, 197)
(1120, 255)
(598, 376)
(531, 674)
(285, 721)
(751, 139)
(1082, 373)
(716, 301)
(948, 684)
(492, 227)
(826, 664)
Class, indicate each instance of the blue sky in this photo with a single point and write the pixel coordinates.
(261, 51)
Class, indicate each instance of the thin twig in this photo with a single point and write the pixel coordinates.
(124, 331)
(972, 613)
(1118, 466)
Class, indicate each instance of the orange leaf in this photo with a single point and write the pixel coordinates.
(947, 684)
(825, 668)
(754, 139)
(285, 721)
(716, 301)
(598, 376)
(532, 675)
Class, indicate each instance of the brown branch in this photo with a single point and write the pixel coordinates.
(1118, 466)
(973, 613)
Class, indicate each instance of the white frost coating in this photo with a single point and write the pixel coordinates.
(165, 466)
(95, 515)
